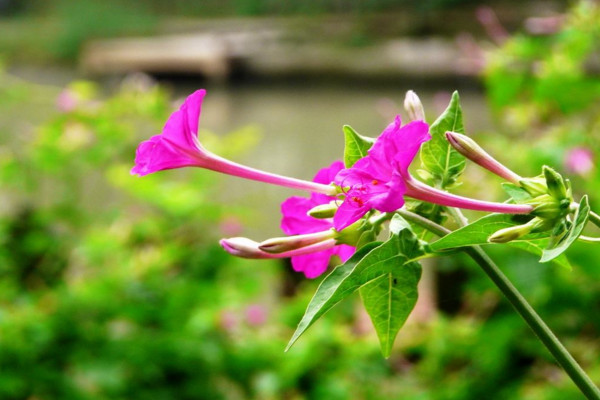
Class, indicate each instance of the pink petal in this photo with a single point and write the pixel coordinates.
(156, 154)
(295, 221)
(182, 126)
(347, 214)
(344, 251)
(313, 264)
(389, 197)
(408, 143)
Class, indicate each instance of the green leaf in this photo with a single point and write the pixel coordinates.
(579, 221)
(437, 155)
(356, 146)
(477, 232)
(398, 224)
(332, 290)
(389, 300)
(367, 237)
(516, 192)
(537, 246)
(368, 264)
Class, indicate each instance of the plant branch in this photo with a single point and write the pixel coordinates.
(535, 322)
(595, 218)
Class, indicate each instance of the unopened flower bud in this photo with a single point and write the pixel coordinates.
(534, 186)
(555, 183)
(323, 210)
(287, 243)
(509, 234)
(242, 247)
(413, 106)
(515, 232)
(471, 150)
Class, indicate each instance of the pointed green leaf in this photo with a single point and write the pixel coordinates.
(437, 155)
(367, 237)
(332, 290)
(537, 246)
(398, 224)
(477, 232)
(579, 221)
(389, 300)
(516, 192)
(370, 262)
(356, 146)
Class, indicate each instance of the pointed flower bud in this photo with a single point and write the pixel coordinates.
(555, 183)
(323, 211)
(248, 248)
(242, 247)
(413, 106)
(509, 234)
(471, 150)
(515, 232)
(288, 243)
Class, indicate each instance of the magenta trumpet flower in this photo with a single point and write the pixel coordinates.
(178, 146)
(381, 179)
(296, 221)
(312, 241)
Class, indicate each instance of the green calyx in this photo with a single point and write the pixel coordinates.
(549, 207)
(362, 231)
(550, 194)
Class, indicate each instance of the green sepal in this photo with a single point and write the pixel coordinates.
(579, 221)
(555, 183)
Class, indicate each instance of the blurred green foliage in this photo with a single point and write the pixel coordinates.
(113, 287)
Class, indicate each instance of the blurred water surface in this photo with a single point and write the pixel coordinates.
(298, 124)
(300, 128)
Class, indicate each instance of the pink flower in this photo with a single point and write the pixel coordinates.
(178, 146)
(380, 180)
(312, 242)
(377, 181)
(66, 101)
(296, 221)
(256, 314)
(579, 160)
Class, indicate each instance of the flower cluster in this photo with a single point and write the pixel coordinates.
(377, 181)
(329, 222)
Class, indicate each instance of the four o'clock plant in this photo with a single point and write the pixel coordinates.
(371, 214)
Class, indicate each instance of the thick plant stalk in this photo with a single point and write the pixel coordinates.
(535, 322)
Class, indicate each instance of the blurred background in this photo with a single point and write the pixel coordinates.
(114, 287)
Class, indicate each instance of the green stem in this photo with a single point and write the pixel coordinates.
(588, 239)
(594, 218)
(539, 327)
